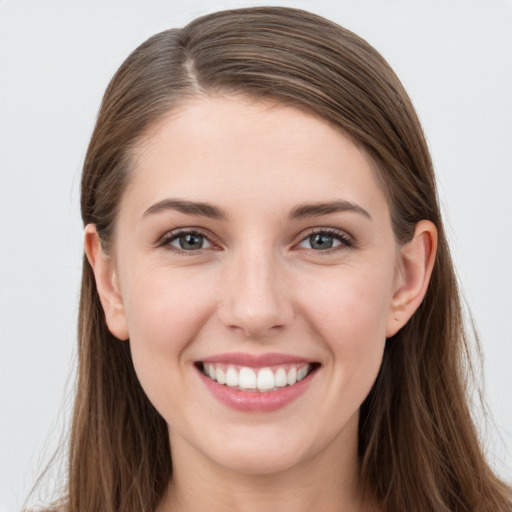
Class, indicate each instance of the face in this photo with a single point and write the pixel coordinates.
(256, 273)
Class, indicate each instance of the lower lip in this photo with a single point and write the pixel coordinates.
(256, 401)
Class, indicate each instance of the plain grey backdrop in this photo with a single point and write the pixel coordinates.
(56, 58)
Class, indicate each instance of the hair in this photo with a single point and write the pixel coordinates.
(418, 446)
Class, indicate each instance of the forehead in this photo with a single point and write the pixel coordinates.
(224, 148)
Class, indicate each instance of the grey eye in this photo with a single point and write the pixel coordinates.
(321, 241)
(190, 242)
(324, 240)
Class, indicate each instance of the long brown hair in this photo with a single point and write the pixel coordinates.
(418, 447)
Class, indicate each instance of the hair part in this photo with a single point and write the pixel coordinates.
(417, 443)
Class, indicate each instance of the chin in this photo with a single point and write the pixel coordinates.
(259, 462)
(269, 449)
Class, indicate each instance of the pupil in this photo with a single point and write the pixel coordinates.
(191, 241)
(320, 241)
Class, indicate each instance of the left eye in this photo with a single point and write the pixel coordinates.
(189, 241)
(324, 240)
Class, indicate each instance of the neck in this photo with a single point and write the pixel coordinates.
(329, 481)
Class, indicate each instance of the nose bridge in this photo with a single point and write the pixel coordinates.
(255, 299)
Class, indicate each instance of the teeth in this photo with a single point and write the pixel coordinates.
(232, 378)
(248, 379)
(302, 373)
(221, 376)
(280, 378)
(291, 377)
(266, 380)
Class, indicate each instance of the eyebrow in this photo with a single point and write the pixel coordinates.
(188, 207)
(318, 209)
(214, 212)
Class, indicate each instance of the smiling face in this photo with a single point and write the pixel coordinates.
(255, 273)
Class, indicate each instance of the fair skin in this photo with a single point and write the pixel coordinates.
(261, 281)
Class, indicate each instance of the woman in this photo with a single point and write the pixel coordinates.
(269, 315)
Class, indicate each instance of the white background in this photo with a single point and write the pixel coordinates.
(56, 58)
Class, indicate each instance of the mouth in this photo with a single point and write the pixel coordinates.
(251, 379)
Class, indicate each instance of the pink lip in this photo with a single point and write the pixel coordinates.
(255, 360)
(256, 401)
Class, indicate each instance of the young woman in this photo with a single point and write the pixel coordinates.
(269, 316)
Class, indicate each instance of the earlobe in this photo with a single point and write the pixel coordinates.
(106, 283)
(417, 259)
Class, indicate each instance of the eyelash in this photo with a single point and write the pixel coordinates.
(166, 240)
(346, 242)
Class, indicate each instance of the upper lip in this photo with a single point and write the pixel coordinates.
(255, 360)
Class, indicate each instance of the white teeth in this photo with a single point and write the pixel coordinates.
(265, 380)
(232, 378)
(280, 378)
(221, 376)
(302, 373)
(248, 379)
(291, 377)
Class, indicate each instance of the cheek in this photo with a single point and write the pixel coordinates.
(165, 308)
(352, 302)
(349, 312)
(165, 312)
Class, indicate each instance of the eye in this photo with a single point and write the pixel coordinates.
(325, 239)
(188, 241)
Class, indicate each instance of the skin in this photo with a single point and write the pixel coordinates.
(258, 285)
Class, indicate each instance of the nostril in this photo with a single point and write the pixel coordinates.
(257, 329)
(255, 302)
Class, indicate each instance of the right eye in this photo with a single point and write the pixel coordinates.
(186, 241)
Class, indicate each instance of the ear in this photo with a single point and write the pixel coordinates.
(416, 261)
(107, 283)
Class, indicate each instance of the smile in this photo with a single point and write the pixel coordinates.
(256, 383)
(248, 379)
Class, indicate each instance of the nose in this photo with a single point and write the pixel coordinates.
(255, 298)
